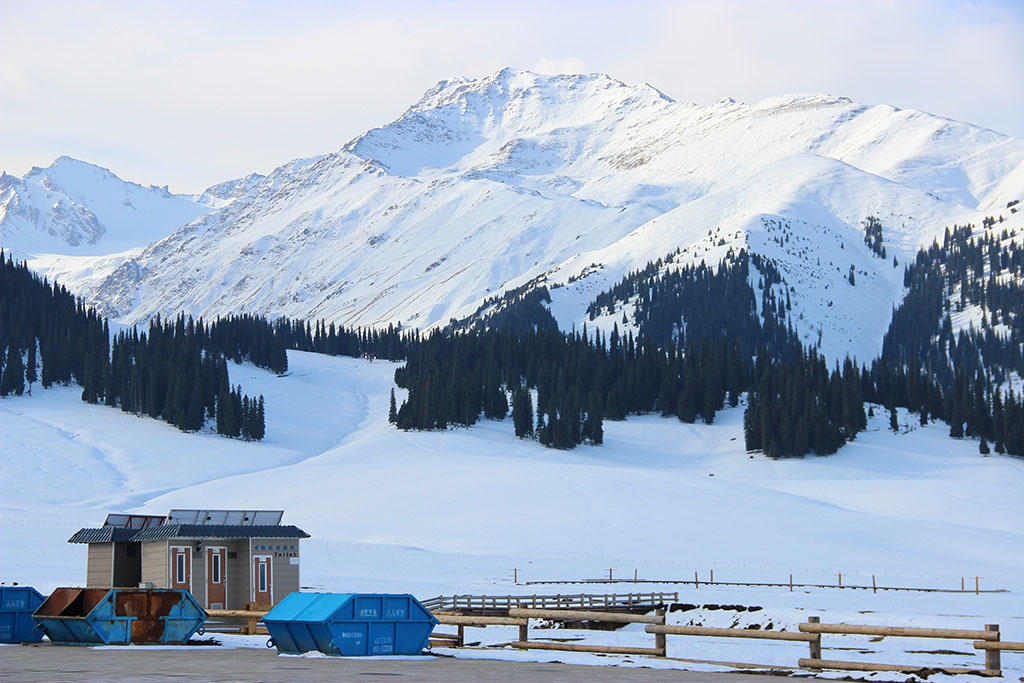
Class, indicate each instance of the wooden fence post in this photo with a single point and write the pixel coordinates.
(874, 586)
(816, 643)
(524, 631)
(462, 636)
(992, 660)
(696, 580)
(790, 583)
(659, 638)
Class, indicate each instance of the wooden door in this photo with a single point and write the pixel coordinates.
(262, 581)
(181, 567)
(216, 578)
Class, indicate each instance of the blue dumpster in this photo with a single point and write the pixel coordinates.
(119, 616)
(17, 603)
(350, 624)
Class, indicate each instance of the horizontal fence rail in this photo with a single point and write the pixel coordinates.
(811, 632)
(584, 615)
(731, 633)
(588, 601)
(762, 584)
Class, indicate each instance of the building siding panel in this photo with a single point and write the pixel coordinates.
(154, 563)
(99, 565)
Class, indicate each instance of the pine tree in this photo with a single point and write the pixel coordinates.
(30, 366)
(522, 413)
(983, 447)
(392, 409)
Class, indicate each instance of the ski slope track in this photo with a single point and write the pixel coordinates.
(487, 184)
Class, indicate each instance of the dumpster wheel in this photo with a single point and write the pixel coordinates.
(270, 643)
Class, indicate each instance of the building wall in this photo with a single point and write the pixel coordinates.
(98, 566)
(154, 563)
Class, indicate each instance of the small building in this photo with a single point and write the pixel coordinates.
(225, 558)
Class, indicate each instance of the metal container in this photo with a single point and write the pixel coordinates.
(350, 624)
(118, 616)
(17, 603)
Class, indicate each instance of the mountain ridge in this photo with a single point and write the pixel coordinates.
(486, 184)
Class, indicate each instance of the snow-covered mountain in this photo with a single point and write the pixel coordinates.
(484, 185)
(73, 207)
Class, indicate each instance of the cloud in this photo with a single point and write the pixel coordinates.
(192, 93)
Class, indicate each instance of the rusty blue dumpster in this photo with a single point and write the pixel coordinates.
(350, 624)
(17, 603)
(119, 616)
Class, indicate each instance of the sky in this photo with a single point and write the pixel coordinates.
(190, 93)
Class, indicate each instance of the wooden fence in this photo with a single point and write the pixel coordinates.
(579, 601)
(987, 640)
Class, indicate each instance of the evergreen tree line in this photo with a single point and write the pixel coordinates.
(389, 343)
(519, 309)
(984, 271)
(700, 302)
(166, 372)
(577, 380)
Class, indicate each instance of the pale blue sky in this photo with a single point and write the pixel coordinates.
(191, 93)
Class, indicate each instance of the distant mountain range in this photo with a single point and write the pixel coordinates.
(520, 180)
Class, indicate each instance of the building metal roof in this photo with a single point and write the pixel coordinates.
(117, 535)
(105, 534)
(219, 531)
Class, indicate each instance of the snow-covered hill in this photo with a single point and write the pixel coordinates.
(73, 207)
(458, 511)
(487, 184)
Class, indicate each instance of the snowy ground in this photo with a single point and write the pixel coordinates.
(459, 511)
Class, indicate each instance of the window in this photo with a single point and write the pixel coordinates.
(215, 569)
(179, 567)
(262, 578)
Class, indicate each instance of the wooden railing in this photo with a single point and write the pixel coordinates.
(811, 632)
(251, 619)
(580, 601)
(987, 640)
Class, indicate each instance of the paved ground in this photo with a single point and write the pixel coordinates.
(45, 662)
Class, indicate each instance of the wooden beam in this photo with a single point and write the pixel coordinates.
(575, 647)
(1004, 645)
(236, 613)
(730, 633)
(858, 630)
(871, 666)
(455, 620)
(585, 615)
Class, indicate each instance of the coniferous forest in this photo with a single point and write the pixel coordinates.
(694, 339)
(174, 371)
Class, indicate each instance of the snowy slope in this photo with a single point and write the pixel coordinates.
(486, 184)
(457, 511)
(73, 207)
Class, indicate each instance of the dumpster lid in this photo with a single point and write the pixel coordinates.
(308, 606)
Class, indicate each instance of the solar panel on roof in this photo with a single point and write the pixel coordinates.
(227, 517)
(123, 521)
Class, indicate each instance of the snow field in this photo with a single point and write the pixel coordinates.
(457, 511)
